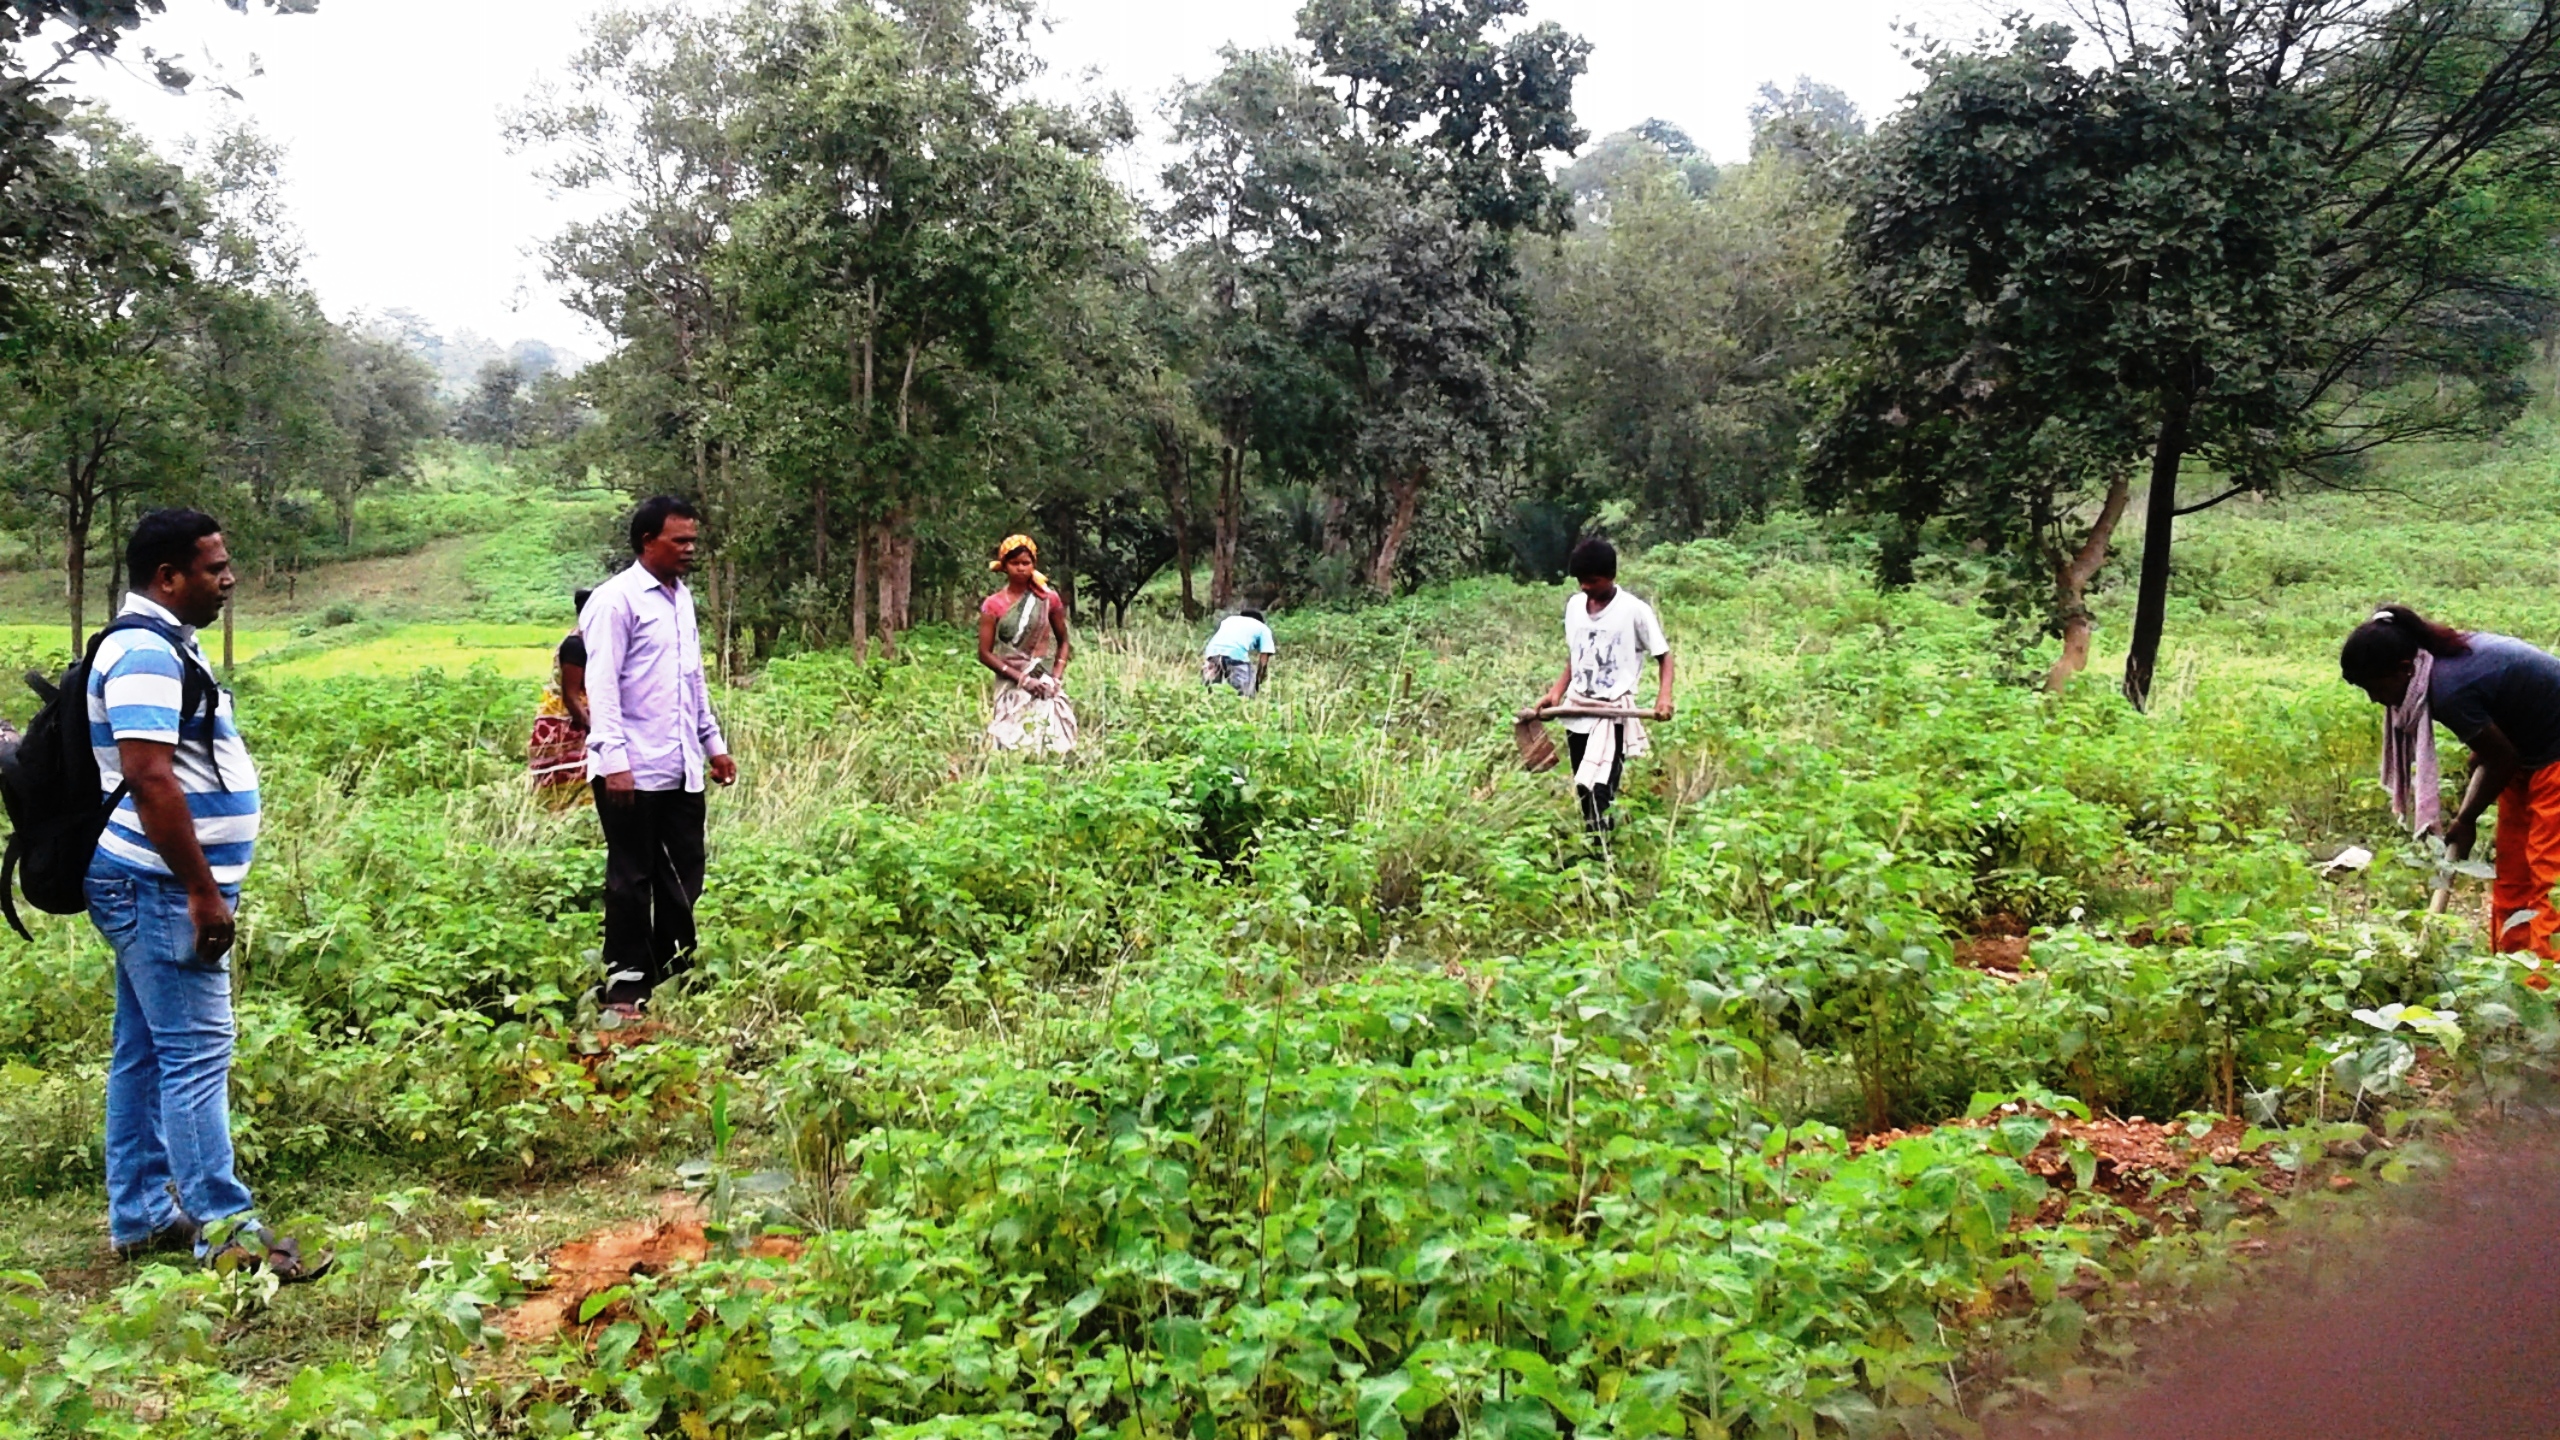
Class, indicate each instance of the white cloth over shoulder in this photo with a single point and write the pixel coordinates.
(2409, 745)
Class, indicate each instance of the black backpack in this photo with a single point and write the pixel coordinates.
(50, 784)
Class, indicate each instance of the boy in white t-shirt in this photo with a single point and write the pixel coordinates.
(1608, 633)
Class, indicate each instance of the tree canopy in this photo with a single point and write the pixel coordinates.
(2259, 238)
(876, 298)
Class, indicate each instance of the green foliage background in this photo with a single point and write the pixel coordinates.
(1297, 1064)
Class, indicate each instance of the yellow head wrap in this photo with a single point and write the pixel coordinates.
(1019, 542)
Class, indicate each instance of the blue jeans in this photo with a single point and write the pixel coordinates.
(169, 1087)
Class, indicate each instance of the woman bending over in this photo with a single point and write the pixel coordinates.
(2501, 697)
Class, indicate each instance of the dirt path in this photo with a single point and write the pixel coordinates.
(427, 581)
(2449, 1326)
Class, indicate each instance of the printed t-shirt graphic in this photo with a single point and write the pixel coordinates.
(1609, 649)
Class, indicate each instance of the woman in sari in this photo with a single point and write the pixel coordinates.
(1022, 637)
(556, 756)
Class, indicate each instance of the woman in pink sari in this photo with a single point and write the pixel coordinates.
(1022, 637)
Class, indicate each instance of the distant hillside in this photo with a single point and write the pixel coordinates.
(458, 358)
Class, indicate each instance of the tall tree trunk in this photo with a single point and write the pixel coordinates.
(819, 538)
(720, 577)
(2159, 527)
(861, 602)
(79, 512)
(1407, 494)
(75, 571)
(897, 576)
(728, 568)
(907, 386)
(1227, 526)
(115, 552)
(1334, 518)
(1173, 473)
(897, 539)
(711, 595)
(2071, 579)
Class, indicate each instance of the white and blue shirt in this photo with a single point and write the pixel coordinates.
(134, 692)
(1240, 637)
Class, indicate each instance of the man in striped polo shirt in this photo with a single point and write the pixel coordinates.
(162, 889)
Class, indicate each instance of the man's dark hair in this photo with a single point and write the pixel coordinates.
(1250, 613)
(653, 515)
(1592, 557)
(165, 537)
(578, 605)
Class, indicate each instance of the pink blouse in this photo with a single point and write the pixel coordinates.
(1042, 641)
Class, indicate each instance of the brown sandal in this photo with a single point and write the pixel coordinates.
(255, 1247)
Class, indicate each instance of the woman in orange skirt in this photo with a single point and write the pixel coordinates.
(2500, 697)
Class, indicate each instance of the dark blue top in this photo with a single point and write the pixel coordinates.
(2505, 682)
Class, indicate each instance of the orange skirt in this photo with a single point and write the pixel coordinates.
(2523, 915)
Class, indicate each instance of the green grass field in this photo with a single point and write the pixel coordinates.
(1299, 1067)
(470, 565)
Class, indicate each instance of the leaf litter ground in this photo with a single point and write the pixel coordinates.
(618, 1254)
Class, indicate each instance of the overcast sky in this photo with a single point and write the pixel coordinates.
(406, 194)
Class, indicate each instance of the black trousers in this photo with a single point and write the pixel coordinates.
(653, 860)
(1596, 799)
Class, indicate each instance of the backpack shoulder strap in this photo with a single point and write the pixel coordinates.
(9, 889)
(197, 689)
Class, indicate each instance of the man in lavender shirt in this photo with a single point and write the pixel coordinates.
(651, 739)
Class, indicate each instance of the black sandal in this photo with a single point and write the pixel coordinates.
(170, 1239)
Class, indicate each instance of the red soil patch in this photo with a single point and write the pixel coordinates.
(2134, 1156)
(614, 1255)
(2003, 955)
(594, 1049)
(2147, 935)
(2129, 1159)
(1997, 947)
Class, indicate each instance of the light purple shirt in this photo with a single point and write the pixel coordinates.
(648, 706)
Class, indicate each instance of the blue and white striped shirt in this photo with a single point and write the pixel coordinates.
(134, 692)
